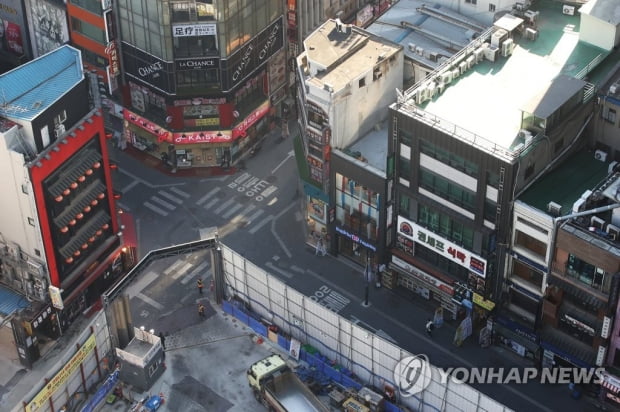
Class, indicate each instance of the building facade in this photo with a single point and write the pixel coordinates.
(201, 79)
(347, 78)
(454, 186)
(61, 239)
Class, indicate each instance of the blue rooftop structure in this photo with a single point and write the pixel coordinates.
(31, 88)
(11, 301)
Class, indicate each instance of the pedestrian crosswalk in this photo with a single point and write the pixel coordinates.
(228, 202)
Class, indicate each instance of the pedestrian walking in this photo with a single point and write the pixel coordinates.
(429, 327)
(201, 310)
(162, 338)
(200, 285)
(320, 247)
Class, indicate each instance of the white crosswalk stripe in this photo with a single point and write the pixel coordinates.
(200, 269)
(223, 206)
(163, 203)
(208, 195)
(170, 197)
(256, 214)
(180, 192)
(244, 213)
(155, 209)
(173, 266)
(211, 203)
(260, 224)
(232, 210)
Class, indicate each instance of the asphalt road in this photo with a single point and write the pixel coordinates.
(258, 213)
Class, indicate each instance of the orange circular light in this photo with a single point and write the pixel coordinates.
(59, 198)
(87, 209)
(91, 239)
(69, 259)
(81, 178)
(64, 229)
(101, 195)
(72, 222)
(94, 202)
(73, 185)
(99, 232)
(66, 192)
(85, 246)
(77, 253)
(97, 165)
(105, 226)
(88, 172)
(80, 215)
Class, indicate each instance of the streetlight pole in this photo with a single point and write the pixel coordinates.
(366, 280)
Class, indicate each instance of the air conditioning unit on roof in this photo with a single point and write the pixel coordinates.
(554, 208)
(600, 155)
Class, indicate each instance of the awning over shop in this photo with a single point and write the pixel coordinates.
(11, 301)
(315, 192)
(582, 360)
(610, 386)
(578, 293)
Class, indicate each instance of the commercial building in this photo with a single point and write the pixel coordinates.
(429, 35)
(200, 79)
(471, 136)
(559, 272)
(61, 240)
(93, 32)
(347, 78)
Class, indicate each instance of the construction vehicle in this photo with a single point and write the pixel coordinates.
(279, 389)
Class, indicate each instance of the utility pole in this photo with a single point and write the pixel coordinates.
(367, 276)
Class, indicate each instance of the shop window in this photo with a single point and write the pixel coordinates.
(532, 245)
(524, 272)
(195, 46)
(588, 274)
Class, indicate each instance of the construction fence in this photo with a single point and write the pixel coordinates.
(352, 353)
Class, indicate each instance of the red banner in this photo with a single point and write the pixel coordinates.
(202, 137)
(255, 116)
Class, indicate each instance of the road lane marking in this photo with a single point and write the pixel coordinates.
(150, 301)
(170, 197)
(211, 203)
(208, 195)
(173, 266)
(155, 209)
(232, 210)
(163, 203)
(202, 268)
(180, 192)
(260, 224)
(223, 206)
(280, 271)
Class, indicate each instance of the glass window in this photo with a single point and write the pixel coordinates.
(447, 189)
(405, 168)
(88, 30)
(90, 5)
(404, 206)
(534, 246)
(490, 210)
(589, 274)
(405, 137)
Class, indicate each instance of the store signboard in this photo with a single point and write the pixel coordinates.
(355, 238)
(197, 63)
(255, 116)
(56, 297)
(482, 302)
(422, 276)
(201, 137)
(252, 55)
(193, 30)
(444, 247)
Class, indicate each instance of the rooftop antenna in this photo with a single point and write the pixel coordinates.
(339, 22)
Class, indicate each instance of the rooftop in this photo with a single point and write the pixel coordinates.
(502, 88)
(371, 149)
(583, 172)
(31, 88)
(327, 46)
(441, 30)
(606, 10)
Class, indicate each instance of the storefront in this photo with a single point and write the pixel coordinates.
(316, 215)
(421, 283)
(553, 356)
(610, 386)
(516, 337)
(205, 148)
(357, 248)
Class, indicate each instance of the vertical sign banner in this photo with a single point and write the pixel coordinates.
(56, 298)
(62, 376)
